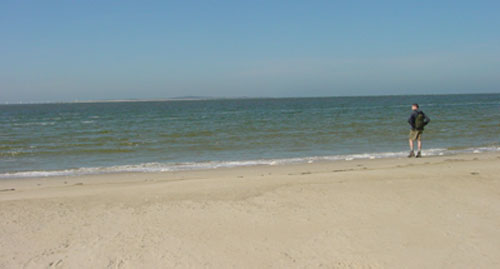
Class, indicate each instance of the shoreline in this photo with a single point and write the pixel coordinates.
(433, 212)
(154, 167)
(7, 184)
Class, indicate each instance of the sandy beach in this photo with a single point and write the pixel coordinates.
(434, 212)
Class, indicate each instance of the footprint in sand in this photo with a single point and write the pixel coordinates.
(8, 189)
(55, 264)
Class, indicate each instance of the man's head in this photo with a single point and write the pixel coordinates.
(414, 107)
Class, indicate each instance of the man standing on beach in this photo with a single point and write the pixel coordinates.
(417, 122)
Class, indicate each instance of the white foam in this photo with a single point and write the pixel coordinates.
(42, 123)
(166, 167)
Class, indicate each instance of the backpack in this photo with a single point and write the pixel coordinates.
(420, 121)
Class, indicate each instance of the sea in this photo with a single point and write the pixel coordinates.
(66, 139)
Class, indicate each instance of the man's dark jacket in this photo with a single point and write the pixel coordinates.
(413, 116)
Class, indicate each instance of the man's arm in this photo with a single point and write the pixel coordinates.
(426, 119)
(411, 120)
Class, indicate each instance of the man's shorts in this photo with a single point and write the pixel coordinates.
(415, 134)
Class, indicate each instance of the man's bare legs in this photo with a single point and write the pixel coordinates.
(419, 148)
(419, 145)
(412, 154)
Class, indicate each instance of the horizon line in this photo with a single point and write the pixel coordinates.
(207, 98)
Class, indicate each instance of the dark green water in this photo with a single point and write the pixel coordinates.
(78, 138)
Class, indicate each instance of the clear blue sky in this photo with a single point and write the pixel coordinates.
(68, 50)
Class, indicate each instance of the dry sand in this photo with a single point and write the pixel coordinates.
(436, 212)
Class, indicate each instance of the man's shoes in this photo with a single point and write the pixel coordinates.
(418, 155)
(412, 154)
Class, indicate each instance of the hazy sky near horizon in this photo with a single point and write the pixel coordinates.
(88, 50)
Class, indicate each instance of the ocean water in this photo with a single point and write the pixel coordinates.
(88, 138)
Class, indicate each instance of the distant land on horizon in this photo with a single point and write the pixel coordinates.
(199, 98)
